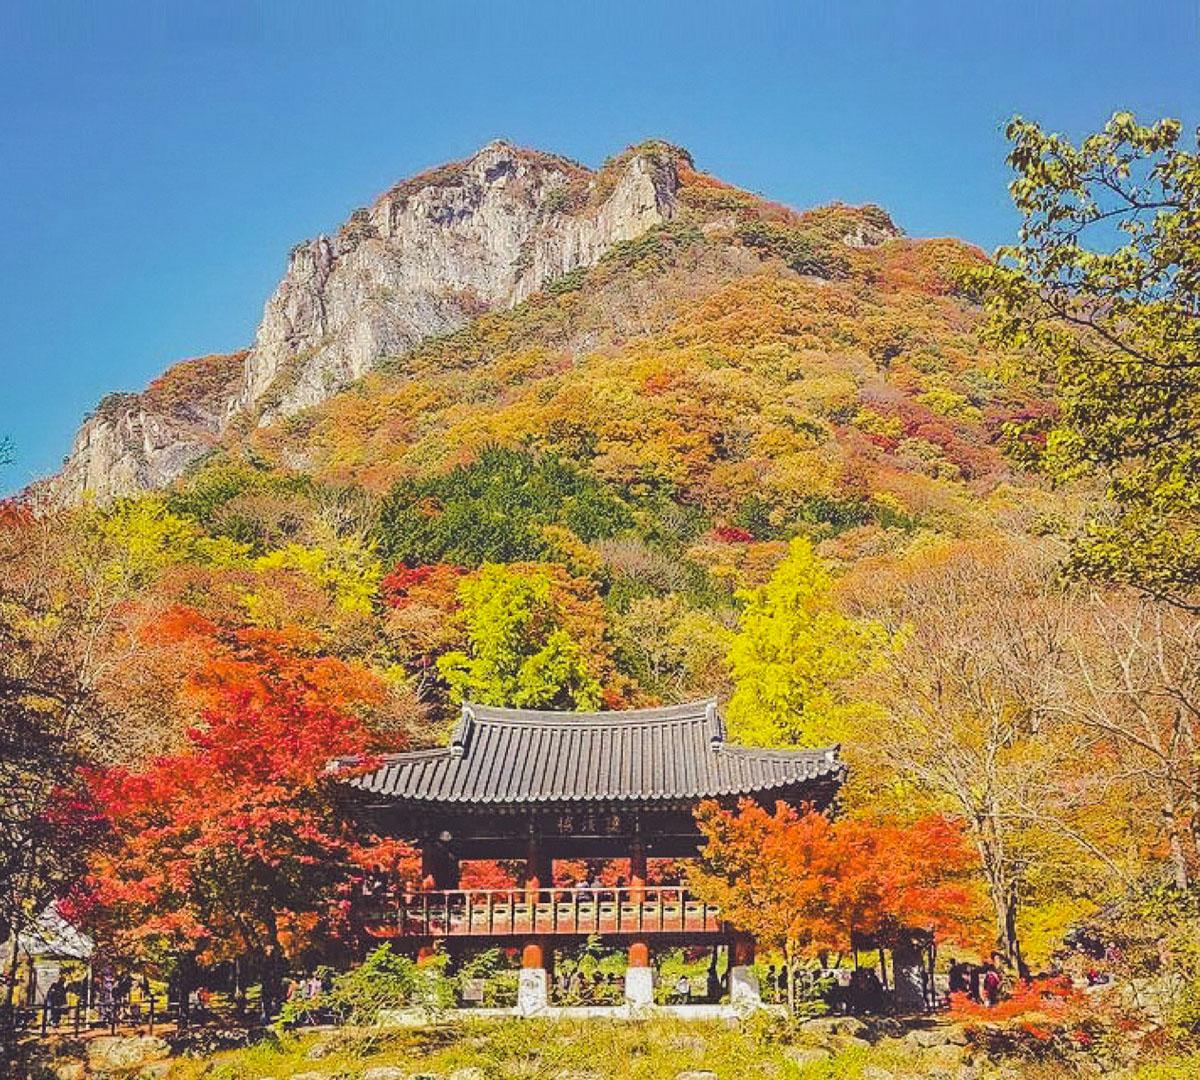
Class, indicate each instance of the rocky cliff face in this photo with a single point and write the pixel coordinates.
(423, 259)
(433, 252)
(137, 441)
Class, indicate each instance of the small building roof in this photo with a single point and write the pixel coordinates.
(520, 757)
(53, 935)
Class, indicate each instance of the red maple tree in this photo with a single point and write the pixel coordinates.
(803, 883)
(233, 846)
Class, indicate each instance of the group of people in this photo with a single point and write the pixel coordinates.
(860, 990)
(846, 990)
(304, 993)
(608, 988)
(983, 983)
(111, 994)
(602, 988)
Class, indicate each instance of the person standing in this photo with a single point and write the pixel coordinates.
(991, 984)
(56, 1000)
(713, 981)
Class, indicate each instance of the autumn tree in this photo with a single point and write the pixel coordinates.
(1134, 670)
(803, 883)
(676, 650)
(56, 607)
(973, 700)
(1100, 298)
(519, 652)
(229, 845)
(792, 654)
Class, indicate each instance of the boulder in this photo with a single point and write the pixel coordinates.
(156, 1070)
(469, 1073)
(385, 1072)
(877, 1072)
(696, 1074)
(68, 1069)
(124, 1053)
(309, 1076)
(826, 1026)
(850, 1042)
(940, 1035)
(946, 1056)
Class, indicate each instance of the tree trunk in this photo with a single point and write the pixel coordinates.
(1013, 942)
(1179, 864)
(8, 1023)
(789, 958)
(1005, 902)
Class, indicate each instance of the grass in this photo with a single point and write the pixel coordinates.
(594, 1050)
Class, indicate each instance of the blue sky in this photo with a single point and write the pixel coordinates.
(158, 160)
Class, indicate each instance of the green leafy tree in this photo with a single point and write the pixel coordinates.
(494, 510)
(1101, 298)
(518, 652)
(791, 655)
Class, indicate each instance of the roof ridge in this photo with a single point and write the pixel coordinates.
(783, 753)
(400, 755)
(694, 711)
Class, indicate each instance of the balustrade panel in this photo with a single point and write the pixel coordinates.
(509, 912)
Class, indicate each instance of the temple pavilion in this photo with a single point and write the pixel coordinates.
(532, 787)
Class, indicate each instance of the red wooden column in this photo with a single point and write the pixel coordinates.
(637, 870)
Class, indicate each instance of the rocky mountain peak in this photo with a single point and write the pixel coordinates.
(422, 259)
(433, 252)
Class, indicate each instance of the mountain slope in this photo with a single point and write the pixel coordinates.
(432, 253)
(134, 442)
(674, 337)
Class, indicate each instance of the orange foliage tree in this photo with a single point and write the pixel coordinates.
(803, 883)
(232, 845)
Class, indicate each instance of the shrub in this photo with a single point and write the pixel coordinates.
(802, 252)
(383, 981)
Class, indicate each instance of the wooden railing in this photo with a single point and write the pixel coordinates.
(500, 912)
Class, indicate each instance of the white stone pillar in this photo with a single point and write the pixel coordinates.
(639, 987)
(533, 991)
(743, 988)
(639, 976)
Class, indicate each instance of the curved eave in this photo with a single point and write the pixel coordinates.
(815, 768)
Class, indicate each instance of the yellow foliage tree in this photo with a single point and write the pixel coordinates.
(792, 654)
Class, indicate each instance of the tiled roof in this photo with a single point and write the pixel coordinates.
(517, 756)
